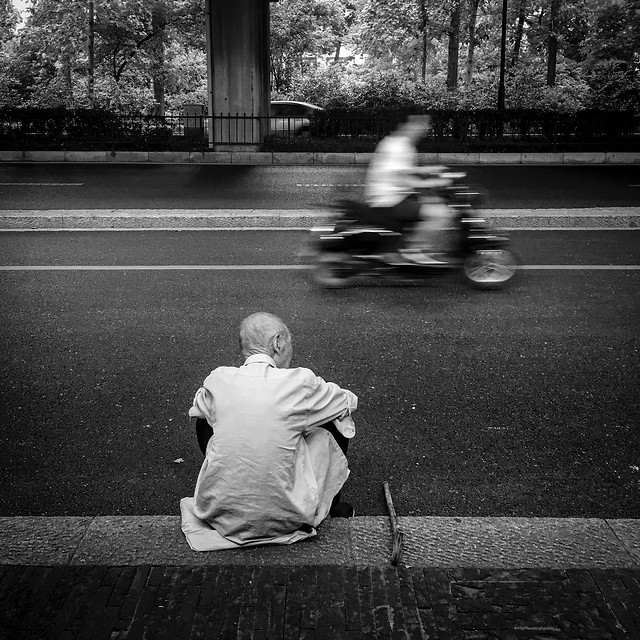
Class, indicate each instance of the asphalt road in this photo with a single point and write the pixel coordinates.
(524, 402)
(132, 186)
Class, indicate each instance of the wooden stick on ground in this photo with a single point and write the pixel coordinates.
(395, 526)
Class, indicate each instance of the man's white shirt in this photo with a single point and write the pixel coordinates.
(268, 468)
(391, 173)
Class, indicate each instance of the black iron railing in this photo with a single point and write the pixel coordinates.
(22, 129)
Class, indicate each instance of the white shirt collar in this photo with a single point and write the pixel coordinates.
(260, 357)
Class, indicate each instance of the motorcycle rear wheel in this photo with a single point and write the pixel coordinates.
(490, 268)
(332, 271)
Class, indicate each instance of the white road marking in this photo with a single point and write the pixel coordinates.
(172, 229)
(283, 267)
(279, 229)
(580, 267)
(329, 185)
(160, 267)
(41, 184)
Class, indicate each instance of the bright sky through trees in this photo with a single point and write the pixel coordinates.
(21, 6)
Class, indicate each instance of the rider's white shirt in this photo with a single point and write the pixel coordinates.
(390, 177)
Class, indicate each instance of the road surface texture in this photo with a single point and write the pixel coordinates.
(513, 404)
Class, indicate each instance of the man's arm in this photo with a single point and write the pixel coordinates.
(327, 401)
(203, 406)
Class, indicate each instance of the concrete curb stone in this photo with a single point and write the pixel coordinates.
(505, 158)
(622, 157)
(85, 156)
(43, 156)
(429, 542)
(305, 157)
(584, 158)
(314, 158)
(253, 158)
(365, 158)
(128, 156)
(334, 158)
(542, 158)
(506, 219)
(628, 531)
(175, 157)
(466, 158)
(12, 156)
(427, 158)
(220, 157)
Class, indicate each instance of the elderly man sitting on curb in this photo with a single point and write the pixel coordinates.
(274, 440)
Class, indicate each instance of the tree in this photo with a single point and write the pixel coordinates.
(401, 34)
(553, 43)
(133, 32)
(130, 54)
(424, 21)
(91, 54)
(9, 19)
(612, 60)
(454, 46)
(51, 49)
(420, 40)
(471, 47)
(519, 31)
(104, 52)
(302, 28)
(185, 74)
(349, 18)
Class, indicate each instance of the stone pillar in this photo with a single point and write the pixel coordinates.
(238, 67)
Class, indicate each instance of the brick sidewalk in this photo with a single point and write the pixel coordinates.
(332, 602)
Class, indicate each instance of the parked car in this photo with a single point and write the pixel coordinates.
(291, 118)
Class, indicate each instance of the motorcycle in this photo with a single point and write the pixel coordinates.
(357, 244)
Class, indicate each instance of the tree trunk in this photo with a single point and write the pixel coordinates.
(503, 57)
(454, 46)
(553, 43)
(423, 30)
(91, 54)
(519, 31)
(473, 17)
(158, 94)
(66, 78)
(158, 24)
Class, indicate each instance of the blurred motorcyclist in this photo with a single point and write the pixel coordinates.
(391, 181)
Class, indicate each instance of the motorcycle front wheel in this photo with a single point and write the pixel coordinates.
(332, 271)
(490, 268)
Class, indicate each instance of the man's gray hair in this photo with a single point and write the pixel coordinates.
(257, 330)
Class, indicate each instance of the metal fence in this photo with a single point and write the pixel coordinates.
(452, 131)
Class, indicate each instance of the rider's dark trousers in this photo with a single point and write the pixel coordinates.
(204, 432)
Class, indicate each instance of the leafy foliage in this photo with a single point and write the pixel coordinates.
(141, 55)
(49, 65)
(590, 34)
(8, 21)
(302, 28)
(613, 56)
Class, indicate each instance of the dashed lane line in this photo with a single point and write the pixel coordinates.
(41, 184)
(328, 185)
